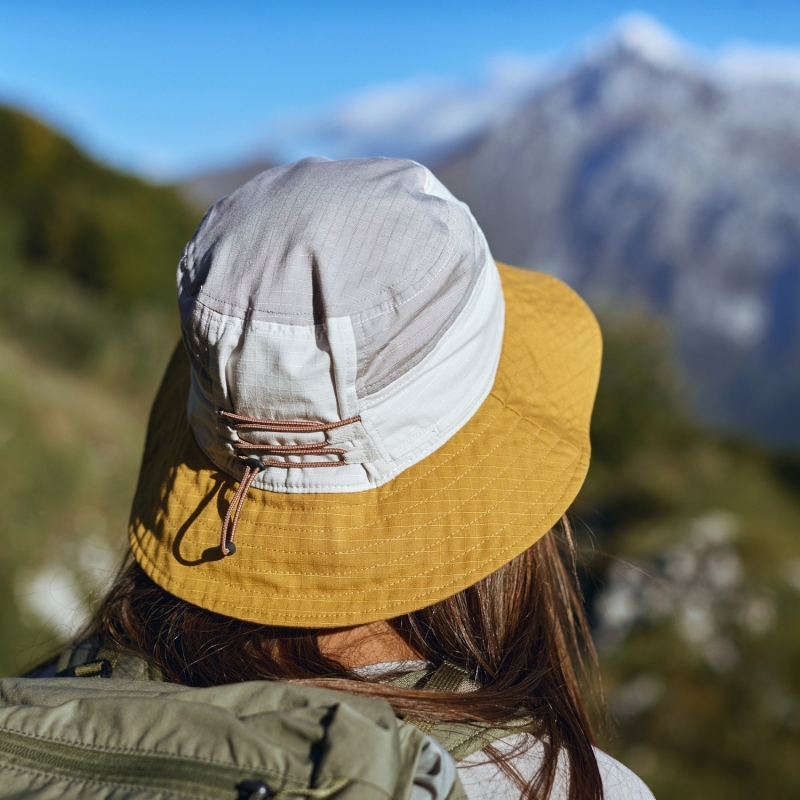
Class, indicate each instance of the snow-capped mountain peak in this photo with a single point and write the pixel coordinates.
(644, 36)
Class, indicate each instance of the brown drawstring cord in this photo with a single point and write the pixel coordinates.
(254, 464)
(288, 426)
(252, 467)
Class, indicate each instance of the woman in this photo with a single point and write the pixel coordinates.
(356, 473)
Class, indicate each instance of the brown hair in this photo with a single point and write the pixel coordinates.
(521, 632)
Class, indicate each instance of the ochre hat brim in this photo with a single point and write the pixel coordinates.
(333, 560)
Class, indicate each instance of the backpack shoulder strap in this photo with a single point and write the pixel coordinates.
(98, 658)
(460, 739)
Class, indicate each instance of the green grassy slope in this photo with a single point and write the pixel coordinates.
(87, 266)
(76, 378)
(68, 459)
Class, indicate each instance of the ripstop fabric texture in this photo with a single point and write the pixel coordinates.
(331, 559)
(359, 293)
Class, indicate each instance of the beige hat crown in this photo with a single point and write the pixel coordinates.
(356, 298)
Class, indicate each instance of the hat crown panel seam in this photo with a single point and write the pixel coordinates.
(449, 218)
(455, 377)
(447, 251)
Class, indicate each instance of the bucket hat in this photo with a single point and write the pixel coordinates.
(366, 414)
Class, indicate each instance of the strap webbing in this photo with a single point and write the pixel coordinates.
(98, 660)
(460, 739)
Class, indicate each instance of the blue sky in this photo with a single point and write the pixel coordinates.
(170, 87)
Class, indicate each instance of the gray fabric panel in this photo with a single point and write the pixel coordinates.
(358, 238)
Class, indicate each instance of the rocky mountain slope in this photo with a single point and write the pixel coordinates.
(646, 178)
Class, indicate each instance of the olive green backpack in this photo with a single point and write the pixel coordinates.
(138, 738)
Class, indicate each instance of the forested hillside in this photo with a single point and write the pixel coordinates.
(87, 266)
(60, 210)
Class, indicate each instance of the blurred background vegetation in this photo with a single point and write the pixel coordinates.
(692, 579)
(690, 538)
(87, 264)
